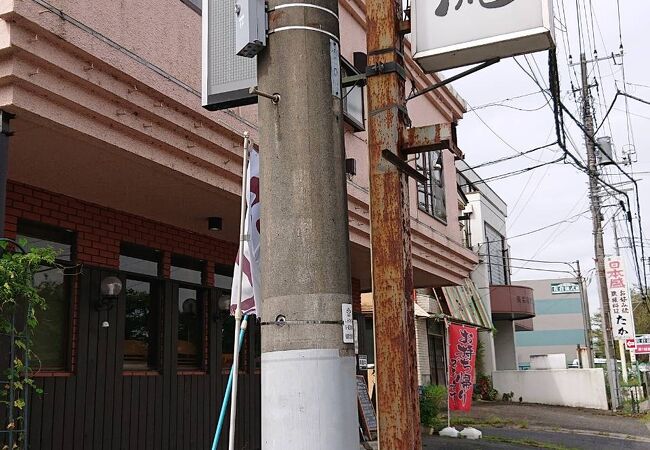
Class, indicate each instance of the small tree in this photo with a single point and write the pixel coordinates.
(597, 335)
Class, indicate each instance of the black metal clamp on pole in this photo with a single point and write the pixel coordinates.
(5, 117)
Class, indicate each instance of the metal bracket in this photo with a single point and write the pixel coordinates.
(400, 108)
(454, 78)
(354, 80)
(404, 27)
(275, 98)
(384, 68)
(403, 166)
(441, 136)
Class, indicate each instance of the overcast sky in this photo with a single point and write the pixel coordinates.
(559, 191)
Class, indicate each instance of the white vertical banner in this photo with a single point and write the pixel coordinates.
(620, 303)
(249, 275)
(348, 325)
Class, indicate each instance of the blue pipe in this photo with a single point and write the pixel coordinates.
(226, 396)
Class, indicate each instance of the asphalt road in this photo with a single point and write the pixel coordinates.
(526, 426)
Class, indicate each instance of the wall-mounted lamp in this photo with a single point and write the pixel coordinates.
(110, 289)
(224, 302)
(223, 306)
(215, 223)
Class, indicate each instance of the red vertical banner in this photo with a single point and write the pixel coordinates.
(462, 358)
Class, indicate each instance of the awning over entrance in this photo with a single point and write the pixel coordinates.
(464, 303)
(460, 304)
(367, 307)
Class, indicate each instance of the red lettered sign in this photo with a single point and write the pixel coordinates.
(630, 344)
(462, 357)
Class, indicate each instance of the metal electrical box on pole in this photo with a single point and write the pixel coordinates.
(250, 28)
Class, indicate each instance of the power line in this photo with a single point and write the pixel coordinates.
(500, 137)
(514, 173)
(505, 100)
(541, 261)
(506, 158)
(537, 230)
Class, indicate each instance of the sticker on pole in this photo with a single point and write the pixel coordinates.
(630, 344)
(348, 326)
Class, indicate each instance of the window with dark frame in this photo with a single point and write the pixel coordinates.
(142, 321)
(353, 99)
(51, 338)
(431, 195)
(190, 327)
(497, 256)
(187, 269)
(141, 260)
(189, 345)
(223, 280)
(437, 356)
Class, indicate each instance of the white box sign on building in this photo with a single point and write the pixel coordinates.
(620, 303)
(455, 33)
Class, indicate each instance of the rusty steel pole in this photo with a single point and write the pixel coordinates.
(392, 272)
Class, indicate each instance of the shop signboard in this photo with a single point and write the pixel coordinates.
(642, 345)
(455, 33)
(565, 288)
(620, 303)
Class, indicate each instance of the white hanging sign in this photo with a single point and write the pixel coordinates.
(455, 33)
(620, 303)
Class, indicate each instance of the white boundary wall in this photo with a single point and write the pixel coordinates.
(582, 388)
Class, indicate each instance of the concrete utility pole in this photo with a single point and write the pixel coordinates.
(586, 315)
(308, 380)
(599, 248)
(392, 276)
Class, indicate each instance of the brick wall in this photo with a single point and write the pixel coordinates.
(356, 295)
(100, 230)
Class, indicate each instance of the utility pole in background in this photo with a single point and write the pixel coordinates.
(586, 316)
(599, 248)
(308, 383)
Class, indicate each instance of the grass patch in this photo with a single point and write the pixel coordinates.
(492, 421)
(527, 442)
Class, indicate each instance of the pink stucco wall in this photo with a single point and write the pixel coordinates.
(105, 95)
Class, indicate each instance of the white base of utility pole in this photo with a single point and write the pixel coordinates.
(308, 413)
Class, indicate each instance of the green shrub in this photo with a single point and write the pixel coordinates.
(484, 390)
(433, 401)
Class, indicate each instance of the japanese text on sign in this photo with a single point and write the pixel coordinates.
(462, 357)
(443, 7)
(620, 303)
(348, 325)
